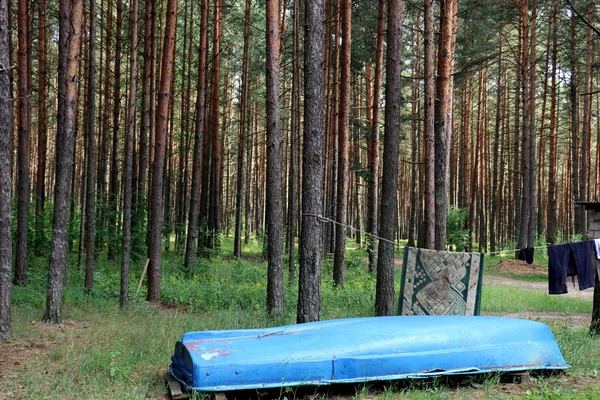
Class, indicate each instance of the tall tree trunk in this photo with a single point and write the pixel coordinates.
(42, 148)
(429, 133)
(214, 208)
(274, 207)
(90, 204)
(294, 139)
(190, 248)
(145, 121)
(5, 174)
(309, 282)
(552, 157)
(495, 193)
(384, 299)
(156, 210)
(243, 132)
(526, 133)
(128, 153)
(23, 178)
(531, 71)
(373, 145)
(57, 272)
(443, 116)
(103, 150)
(113, 186)
(574, 108)
(339, 259)
(587, 114)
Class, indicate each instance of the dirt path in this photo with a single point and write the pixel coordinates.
(574, 292)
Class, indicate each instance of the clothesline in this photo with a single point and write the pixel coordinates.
(325, 219)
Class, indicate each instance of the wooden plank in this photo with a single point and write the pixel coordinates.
(175, 390)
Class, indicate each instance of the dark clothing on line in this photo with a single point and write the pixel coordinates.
(526, 255)
(570, 259)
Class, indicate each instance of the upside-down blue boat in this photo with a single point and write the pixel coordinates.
(361, 350)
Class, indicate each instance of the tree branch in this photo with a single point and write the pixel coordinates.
(584, 19)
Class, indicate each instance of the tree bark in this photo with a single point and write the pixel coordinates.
(443, 117)
(90, 213)
(190, 248)
(552, 162)
(214, 207)
(40, 197)
(294, 139)
(128, 167)
(373, 144)
(5, 174)
(23, 178)
(156, 210)
(384, 299)
(339, 259)
(243, 132)
(429, 133)
(274, 206)
(309, 285)
(113, 186)
(57, 272)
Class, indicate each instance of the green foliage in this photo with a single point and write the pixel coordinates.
(456, 236)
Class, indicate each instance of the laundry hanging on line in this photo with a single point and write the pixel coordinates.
(526, 254)
(570, 259)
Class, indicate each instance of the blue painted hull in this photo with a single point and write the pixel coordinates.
(361, 350)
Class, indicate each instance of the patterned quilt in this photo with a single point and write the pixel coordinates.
(440, 283)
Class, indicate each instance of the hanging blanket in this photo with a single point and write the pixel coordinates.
(440, 283)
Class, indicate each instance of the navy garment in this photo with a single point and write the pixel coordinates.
(583, 253)
(526, 255)
(570, 259)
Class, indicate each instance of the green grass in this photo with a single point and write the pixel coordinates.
(101, 352)
(496, 299)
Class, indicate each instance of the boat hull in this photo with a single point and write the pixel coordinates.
(362, 350)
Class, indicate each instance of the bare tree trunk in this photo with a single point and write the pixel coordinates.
(309, 285)
(5, 174)
(23, 178)
(57, 272)
(42, 148)
(103, 161)
(145, 121)
(373, 145)
(526, 133)
(443, 120)
(90, 211)
(274, 207)
(552, 162)
(128, 168)
(156, 210)
(113, 186)
(339, 259)
(495, 193)
(243, 133)
(294, 139)
(214, 207)
(190, 248)
(574, 108)
(587, 116)
(429, 133)
(531, 70)
(384, 299)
